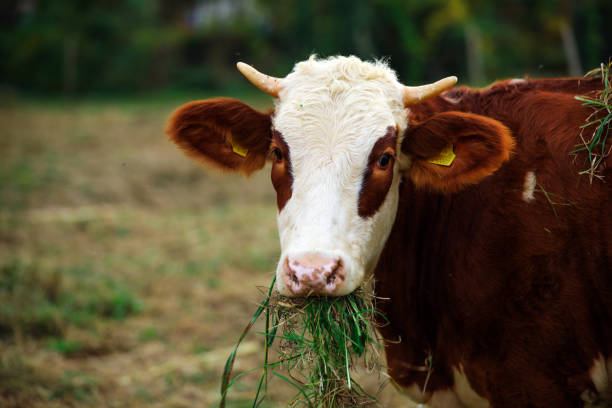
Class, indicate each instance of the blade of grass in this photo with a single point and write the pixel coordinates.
(229, 364)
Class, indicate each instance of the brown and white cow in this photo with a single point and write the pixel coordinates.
(495, 255)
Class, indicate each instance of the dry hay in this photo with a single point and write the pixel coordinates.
(598, 124)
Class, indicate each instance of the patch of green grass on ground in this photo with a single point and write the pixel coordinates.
(39, 303)
(25, 385)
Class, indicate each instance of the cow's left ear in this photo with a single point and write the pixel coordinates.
(222, 132)
(452, 150)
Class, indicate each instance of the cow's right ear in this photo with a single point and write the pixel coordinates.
(452, 150)
(223, 132)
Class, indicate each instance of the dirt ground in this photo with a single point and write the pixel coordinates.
(127, 272)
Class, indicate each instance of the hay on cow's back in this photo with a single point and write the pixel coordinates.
(594, 134)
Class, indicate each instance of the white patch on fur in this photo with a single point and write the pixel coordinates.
(460, 396)
(464, 391)
(415, 393)
(517, 81)
(448, 97)
(445, 399)
(601, 375)
(529, 186)
(331, 112)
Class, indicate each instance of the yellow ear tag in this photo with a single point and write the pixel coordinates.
(445, 158)
(239, 150)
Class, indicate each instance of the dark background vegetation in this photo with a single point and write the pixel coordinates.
(127, 271)
(121, 46)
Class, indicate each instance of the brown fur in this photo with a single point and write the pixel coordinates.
(203, 130)
(518, 294)
(377, 181)
(473, 100)
(282, 177)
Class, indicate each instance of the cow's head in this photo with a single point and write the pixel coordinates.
(339, 143)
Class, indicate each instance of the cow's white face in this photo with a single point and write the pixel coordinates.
(336, 172)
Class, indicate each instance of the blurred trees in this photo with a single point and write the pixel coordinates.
(76, 46)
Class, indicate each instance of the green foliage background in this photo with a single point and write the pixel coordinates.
(112, 46)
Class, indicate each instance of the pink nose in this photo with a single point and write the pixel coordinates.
(313, 274)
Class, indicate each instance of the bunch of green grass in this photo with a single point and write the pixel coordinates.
(600, 120)
(319, 341)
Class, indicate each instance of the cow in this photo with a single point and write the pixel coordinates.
(491, 252)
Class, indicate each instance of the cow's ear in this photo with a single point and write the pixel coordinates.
(451, 150)
(223, 132)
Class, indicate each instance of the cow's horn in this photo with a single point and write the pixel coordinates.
(269, 84)
(418, 94)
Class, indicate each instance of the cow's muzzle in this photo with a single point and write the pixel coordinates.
(313, 273)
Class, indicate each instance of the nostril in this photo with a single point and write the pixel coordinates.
(334, 273)
(293, 277)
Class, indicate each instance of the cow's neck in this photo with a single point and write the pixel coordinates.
(414, 274)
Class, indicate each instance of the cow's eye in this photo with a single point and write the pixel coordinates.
(278, 155)
(384, 160)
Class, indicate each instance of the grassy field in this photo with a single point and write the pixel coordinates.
(127, 272)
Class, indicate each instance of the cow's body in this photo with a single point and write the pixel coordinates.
(511, 288)
(496, 276)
